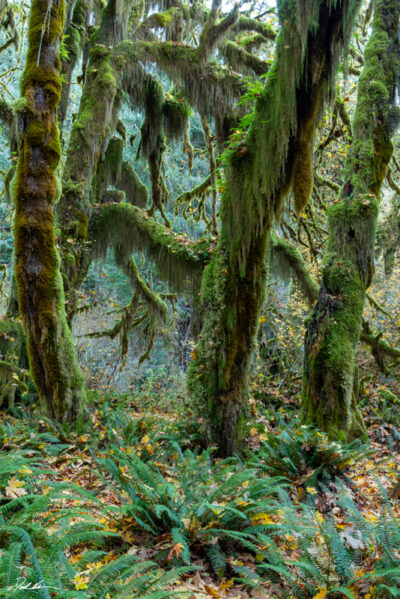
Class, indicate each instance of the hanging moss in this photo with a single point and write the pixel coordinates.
(241, 60)
(116, 17)
(207, 86)
(286, 261)
(130, 183)
(8, 118)
(176, 113)
(108, 171)
(98, 117)
(334, 329)
(258, 173)
(145, 310)
(75, 37)
(180, 261)
(37, 265)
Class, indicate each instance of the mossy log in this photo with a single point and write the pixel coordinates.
(259, 172)
(41, 299)
(335, 326)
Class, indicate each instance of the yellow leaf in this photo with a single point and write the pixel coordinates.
(320, 517)
(311, 490)
(80, 581)
(322, 594)
(14, 488)
(261, 518)
(25, 470)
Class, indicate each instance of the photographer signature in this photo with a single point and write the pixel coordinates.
(22, 585)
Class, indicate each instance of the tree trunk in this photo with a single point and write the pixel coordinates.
(276, 154)
(335, 326)
(40, 289)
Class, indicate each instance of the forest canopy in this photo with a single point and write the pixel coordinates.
(199, 316)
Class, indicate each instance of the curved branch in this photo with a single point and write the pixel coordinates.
(213, 31)
(249, 24)
(180, 261)
(238, 57)
(286, 258)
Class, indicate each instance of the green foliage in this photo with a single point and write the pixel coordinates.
(43, 521)
(308, 454)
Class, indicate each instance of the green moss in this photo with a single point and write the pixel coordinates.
(108, 171)
(122, 225)
(162, 19)
(176, 113)
(21, 104)
(41, 299)
(329, 390)
(259, 169)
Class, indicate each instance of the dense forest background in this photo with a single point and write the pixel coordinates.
(199, 315)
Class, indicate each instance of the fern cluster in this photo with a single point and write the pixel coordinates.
(43, 522)
(184, 505)
(306, 452)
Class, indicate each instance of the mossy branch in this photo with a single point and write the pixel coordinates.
(380, 349)
(240, 59)
(392, 183)
(285, 259)
(248, 24)
(213, 31)
(320, 181)
(146, 309)
(377, 305)
(197, 192)
(180, 261)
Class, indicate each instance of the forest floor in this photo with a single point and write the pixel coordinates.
(122, 448)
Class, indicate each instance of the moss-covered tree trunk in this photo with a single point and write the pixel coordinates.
(275, 154)
(335, 326)
(37, 265)
(75, 37)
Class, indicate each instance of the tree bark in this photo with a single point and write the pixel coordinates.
(334, 329)
(40, 289)
(260, 168)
